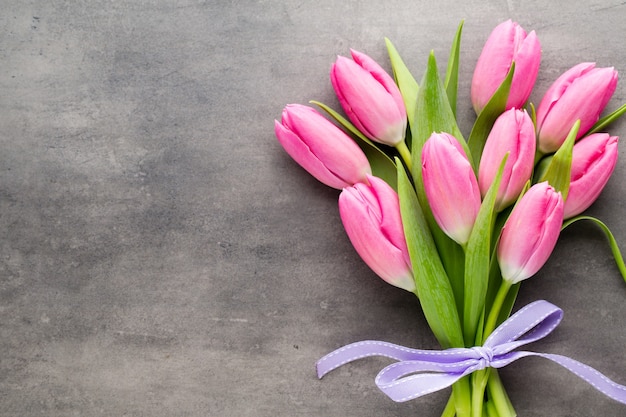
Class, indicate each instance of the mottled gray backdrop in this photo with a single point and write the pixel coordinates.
(160, 254)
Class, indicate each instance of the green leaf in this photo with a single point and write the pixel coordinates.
(487, 117)
(452, 72)
(617, 254)
(382, 165)
(453, 258)
(558, 172)
(406, 83)
(495, 275)
(478, 261)
(601, 124)
(434, 114)
(432, 285)
(533, 115)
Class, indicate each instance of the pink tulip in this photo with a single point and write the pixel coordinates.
(507, 43)
(513, 132)
(370, 98)
(582, 93)
(451, 186)
(593, 160)
(530, 233)
(371, 216)
(321, 148)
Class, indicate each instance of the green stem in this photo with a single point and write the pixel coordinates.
(480, 378)
(499, 398)
(492, 319)
(462, 397)
(491, 410)
(405, 154)
(450, 410)
(619, 260)
(479, 382)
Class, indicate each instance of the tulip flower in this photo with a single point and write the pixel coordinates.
(371, 216)
(593, 160)
(530, 233)
(370, 98)
(513, 133)
(451, 186)
(582, 93)
(507, 43)
(321, 148)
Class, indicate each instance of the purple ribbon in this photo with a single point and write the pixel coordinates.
(420, 372)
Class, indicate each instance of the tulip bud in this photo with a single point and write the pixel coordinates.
(530, 233)
(507, 43)
(582, 93)
(371, 216)
(593, 160)
(513, 133)
(321, 148)
(370, 98)
(451, 186)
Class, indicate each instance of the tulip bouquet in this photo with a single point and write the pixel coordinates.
(461, 222)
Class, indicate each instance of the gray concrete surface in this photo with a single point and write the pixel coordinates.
(160, 255)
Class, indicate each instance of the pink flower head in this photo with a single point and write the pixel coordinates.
(451, 186)
(513, 132)
(321, 148)
(371, 216)
(582, 93)
(593, 160)
(507, 43)
(530, 233)
(370, 98)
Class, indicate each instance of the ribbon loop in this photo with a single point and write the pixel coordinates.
(418, 372)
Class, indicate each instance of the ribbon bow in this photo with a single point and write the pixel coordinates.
(420, 372)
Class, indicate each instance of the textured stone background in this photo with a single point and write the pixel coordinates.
(160, 255)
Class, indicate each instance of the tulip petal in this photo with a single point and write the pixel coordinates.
(302, 154)
(558, 88)
(382, 77)
(527, 59)
(530, 233)
(451, 186)
(513, 133)
(581, 93)
(320, 147)
(371, 217)
(507, 43)
(381, 164)
(493, 64)
(370, 98)
(593, 161)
